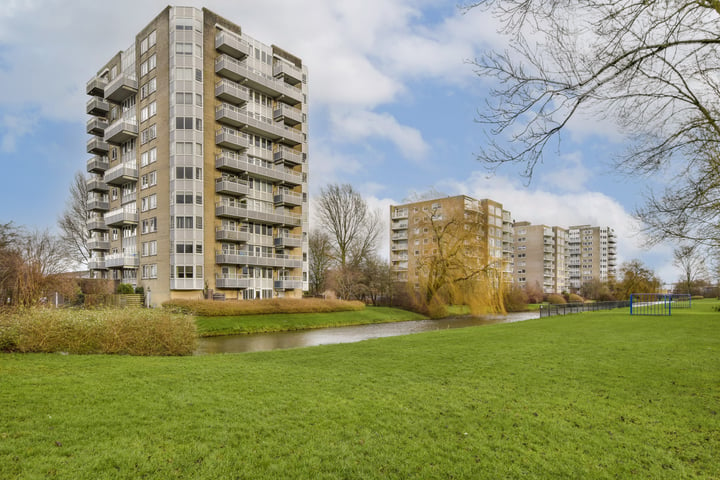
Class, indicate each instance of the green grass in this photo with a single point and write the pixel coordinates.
(590, 396)
(228, 325)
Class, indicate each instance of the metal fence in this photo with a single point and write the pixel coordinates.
(568, 308)
(658, 303)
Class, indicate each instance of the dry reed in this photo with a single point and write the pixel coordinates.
(211, 308)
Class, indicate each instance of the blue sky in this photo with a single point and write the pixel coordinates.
(393, 103)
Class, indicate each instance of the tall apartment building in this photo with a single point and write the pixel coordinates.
(412, 236)
(198, 181)
(540, 257)
(592, 253)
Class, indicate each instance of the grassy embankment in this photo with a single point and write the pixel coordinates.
(595, 395)
(278, 315)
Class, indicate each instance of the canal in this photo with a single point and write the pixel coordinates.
(262, 342)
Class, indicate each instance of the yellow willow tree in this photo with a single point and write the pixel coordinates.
(455, 266)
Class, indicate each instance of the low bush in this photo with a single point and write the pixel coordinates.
(110, 331)
(575, 298)
(555, 299)
(516, 299)
(125, 288)
(212, 308)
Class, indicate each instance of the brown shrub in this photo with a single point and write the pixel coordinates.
(212, 308)
(110, 331)
(555, 299)
(574, 298)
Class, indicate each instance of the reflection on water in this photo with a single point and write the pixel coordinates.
(259, 342)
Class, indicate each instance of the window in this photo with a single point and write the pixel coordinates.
(152, 38)
(148, 203)
(183, 248)
(148, 111)
(146, 158)
(148, 180)
(183, 48)
(198, 75)
(182, 98)
(184, 123)
(183, 73)
(149, 225)
(148, 134)
(184, 172)
(149, 271)
(183, 148)
(184, 198)
(183, 24)
(198, 100)
(198, 124)
(148, 65)
(184, 222)
(198, 223)
(148, 88)
(184, 271)
(149, 248)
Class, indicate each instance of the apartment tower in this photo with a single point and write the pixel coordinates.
(198, 179)
(412, 236)
(540, 257)
(592, 254)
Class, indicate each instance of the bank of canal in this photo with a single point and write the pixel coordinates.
(260, 342)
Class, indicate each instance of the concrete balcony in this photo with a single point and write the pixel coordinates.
(241, 164)
(292, 136)
(288, 241)
(121, 131)
(96, 126)
(121, 217)
(289, 115)
(399, 225)
(97, 146)
(96, 86)
(95, 205)
(231, 187)
(122, 260)
(241, 258)
(238, 71)
(288, 283)
(243, 213)
(399, 236)
(231, 162)
(97, 264)
(290, 73)
(230, 138)
(231, 92)
(229, 235)
(97, 185)
(97, 244)
(122, 174)
(232, 45)
(288, 198)
(233, 281)
(287, 155)
(240, 118)
(97, 224)
(98, 164)
(97, 106)
(122, 87)
(128, 198)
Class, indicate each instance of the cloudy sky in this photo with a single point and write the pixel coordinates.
(393, 103)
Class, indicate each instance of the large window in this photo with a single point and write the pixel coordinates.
(149, 271)
(146, 158)
(149, 225)
(148, 111)
(148, 203)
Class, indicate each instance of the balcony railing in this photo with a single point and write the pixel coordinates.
(287, 155)
(288, 198)
(97, 264)
(98, 205)
(231, 235)
(241, 163)
(289, 72)
(98, 164)
(243, 213)
(121, 87)
(96, 86)
(399, 225)
(122, 174)
(289, 115)
(97, 146)
(231, 138)
(96, 126)
(122, 260)
(121, 131)
(400, 213)
(289, 283)
(233, 281)
(97, 244)
(288, 241)
(238, 71)
(120, 217)
(232, 92)
(233, 45)
(231, 187)
(97, 224)
(239, 117)
(242, 258)
(97, 185)
(97, 106)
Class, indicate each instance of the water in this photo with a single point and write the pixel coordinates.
(261, 342)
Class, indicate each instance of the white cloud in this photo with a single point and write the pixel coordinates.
(12, 127)
(357, 126)
(570, 176)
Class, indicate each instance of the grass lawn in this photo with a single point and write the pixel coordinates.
(588, 396)
(228, 325)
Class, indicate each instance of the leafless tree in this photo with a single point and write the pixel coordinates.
(353, 227)
(650, 65)
(320, 249)
(690, 259)
(73, 222)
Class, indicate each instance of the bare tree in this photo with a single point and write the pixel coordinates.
(320, 249)
(691, 261)
(73, 222)
(650, 65)
(353, 227)
(635, 277)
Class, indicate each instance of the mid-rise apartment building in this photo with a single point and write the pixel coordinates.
(592, 253)
(412, 237)
(198, 180)
(540, 257)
